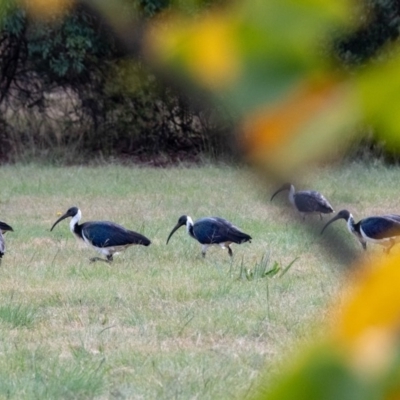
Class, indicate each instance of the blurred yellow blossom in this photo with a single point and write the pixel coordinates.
(374, 303)
(207, 48)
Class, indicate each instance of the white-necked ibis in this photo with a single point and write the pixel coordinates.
(306, 201)
(3, 229)
(383, 230)
(210, 231)
(104, 236)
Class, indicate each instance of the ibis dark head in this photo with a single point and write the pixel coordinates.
(181, 221)
(70, 213)
(343, 214)
(285, 186)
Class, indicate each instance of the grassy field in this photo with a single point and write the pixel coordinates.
(161, 322)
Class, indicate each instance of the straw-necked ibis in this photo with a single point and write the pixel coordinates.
(306, 201)
(210, 231)
(3, 229)
(104, 236)
(383, 230)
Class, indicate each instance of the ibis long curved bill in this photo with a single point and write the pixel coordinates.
(210, 231)
(69, 213)
(339, 215)
(281, 189)
(106, 237)
(182, 221)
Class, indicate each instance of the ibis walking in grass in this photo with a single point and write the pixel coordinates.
(210, 231)
(3, 229)
(383, 230)
(106, 237)
(306, 201)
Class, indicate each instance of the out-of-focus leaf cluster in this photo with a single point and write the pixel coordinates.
(360, 358)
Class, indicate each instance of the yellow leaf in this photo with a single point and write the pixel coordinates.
(206, 48)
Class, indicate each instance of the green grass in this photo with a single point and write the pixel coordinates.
(161, 322)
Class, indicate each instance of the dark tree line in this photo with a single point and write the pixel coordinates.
(67, 92)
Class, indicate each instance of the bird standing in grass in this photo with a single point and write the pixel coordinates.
(306, 201)
(3, 229)
(210, 231)
(106, 237)
(383, 230)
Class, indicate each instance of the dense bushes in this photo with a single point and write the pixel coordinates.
(68, 95)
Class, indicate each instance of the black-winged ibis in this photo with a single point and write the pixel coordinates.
(3, 229)
(306, 201)
(210, 231)
(383, 230)
(106, 237)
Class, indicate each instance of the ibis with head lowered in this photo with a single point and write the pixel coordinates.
(210, 231)
(3, 229)
(106, 237)
(306, 201)
(383, 230)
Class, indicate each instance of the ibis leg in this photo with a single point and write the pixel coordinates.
(204, 250)
(391, 244)
(230, 251)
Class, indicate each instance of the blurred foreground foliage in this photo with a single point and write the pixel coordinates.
(360, 357)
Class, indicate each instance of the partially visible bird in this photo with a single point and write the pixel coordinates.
(210, 231)
(3, 229)
(106, 237)
(383, 230)
(306, 201)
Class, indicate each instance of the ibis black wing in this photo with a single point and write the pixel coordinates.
(107, 234)
(396, 217)
(380, 227)
(312, 201)
(214, 230)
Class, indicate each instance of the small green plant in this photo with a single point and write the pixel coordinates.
(262, 269)
(18, 315)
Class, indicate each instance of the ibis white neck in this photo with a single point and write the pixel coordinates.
(291, 194)
(75, 219)
(189, 224)
(350, 224)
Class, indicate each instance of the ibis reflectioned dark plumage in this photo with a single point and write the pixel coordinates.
(3, 229)
(383, 230)
(306, 201)
(210, 231)
(106, 237)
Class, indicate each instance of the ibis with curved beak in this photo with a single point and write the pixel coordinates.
(106, 237)
(383, 230)
(306, 201)
(210, 231)
(3, 229)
